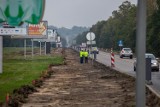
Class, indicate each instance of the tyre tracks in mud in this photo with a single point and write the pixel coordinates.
(83, 85)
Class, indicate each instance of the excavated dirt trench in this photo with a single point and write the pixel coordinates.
(84, 85)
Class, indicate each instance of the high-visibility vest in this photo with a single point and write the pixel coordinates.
(85, 54)
(81, 53)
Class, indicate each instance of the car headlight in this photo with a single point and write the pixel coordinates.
(155, 63)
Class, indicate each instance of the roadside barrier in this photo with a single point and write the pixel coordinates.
(112, 59)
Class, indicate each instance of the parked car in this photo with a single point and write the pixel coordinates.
(126, 52)
(95, 49)
(154, 62)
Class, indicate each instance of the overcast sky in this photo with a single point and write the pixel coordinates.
(68, 13)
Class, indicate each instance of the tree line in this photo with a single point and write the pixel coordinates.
(121, 25)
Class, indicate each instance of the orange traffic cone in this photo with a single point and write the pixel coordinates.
(7, 99)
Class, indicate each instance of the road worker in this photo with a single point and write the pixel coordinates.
(95, 53)
(86, 56)
(81, 56)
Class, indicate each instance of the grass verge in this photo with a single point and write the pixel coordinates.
(18, 71)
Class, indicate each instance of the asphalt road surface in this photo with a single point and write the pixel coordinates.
(126, 65)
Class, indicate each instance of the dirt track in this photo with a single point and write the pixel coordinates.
(84, 85)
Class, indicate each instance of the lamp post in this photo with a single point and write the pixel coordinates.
(141, 49)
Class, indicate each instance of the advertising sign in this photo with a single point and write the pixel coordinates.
(6, 29)
(38, 30)
(13, 31)
(14, 12)
(51, 36)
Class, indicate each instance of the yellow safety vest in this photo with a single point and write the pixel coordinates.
(81, 54)
(85, 54)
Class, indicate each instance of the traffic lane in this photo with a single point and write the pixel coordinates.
(126, 65)
(120, 64)
(104, 58)
(123, 64)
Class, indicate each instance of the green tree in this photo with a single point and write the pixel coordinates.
(153, 34)
(120, 26)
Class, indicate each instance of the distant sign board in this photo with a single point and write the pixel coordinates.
(91, 42)
(90, 36)
(51, 36)
(13, 31)
(6, 29)
(38, 30)
(58, 39)
(84, 45)
(120, 43)
(34, 31)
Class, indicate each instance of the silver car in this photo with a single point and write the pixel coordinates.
(154, 62)
(126, 52)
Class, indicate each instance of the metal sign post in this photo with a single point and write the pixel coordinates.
(25, 48)
(32, 47)
(40, 47)
(91, 48)
(1, 54)
(90, 36)
(45, 48)
(141, 49)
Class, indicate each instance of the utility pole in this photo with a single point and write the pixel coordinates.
(141, 49)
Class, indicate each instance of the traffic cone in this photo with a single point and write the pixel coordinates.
(7, 99)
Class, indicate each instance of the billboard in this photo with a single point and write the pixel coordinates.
(6, 29)
(38, 30)
(52, 35)
(14, 12)
(33, 31)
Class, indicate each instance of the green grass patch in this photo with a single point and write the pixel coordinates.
(18, 71)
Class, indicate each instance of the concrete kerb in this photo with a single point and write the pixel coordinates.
(153, 90)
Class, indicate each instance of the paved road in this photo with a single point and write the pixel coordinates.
(126, 65)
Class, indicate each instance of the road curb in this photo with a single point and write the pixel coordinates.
(153, 90)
